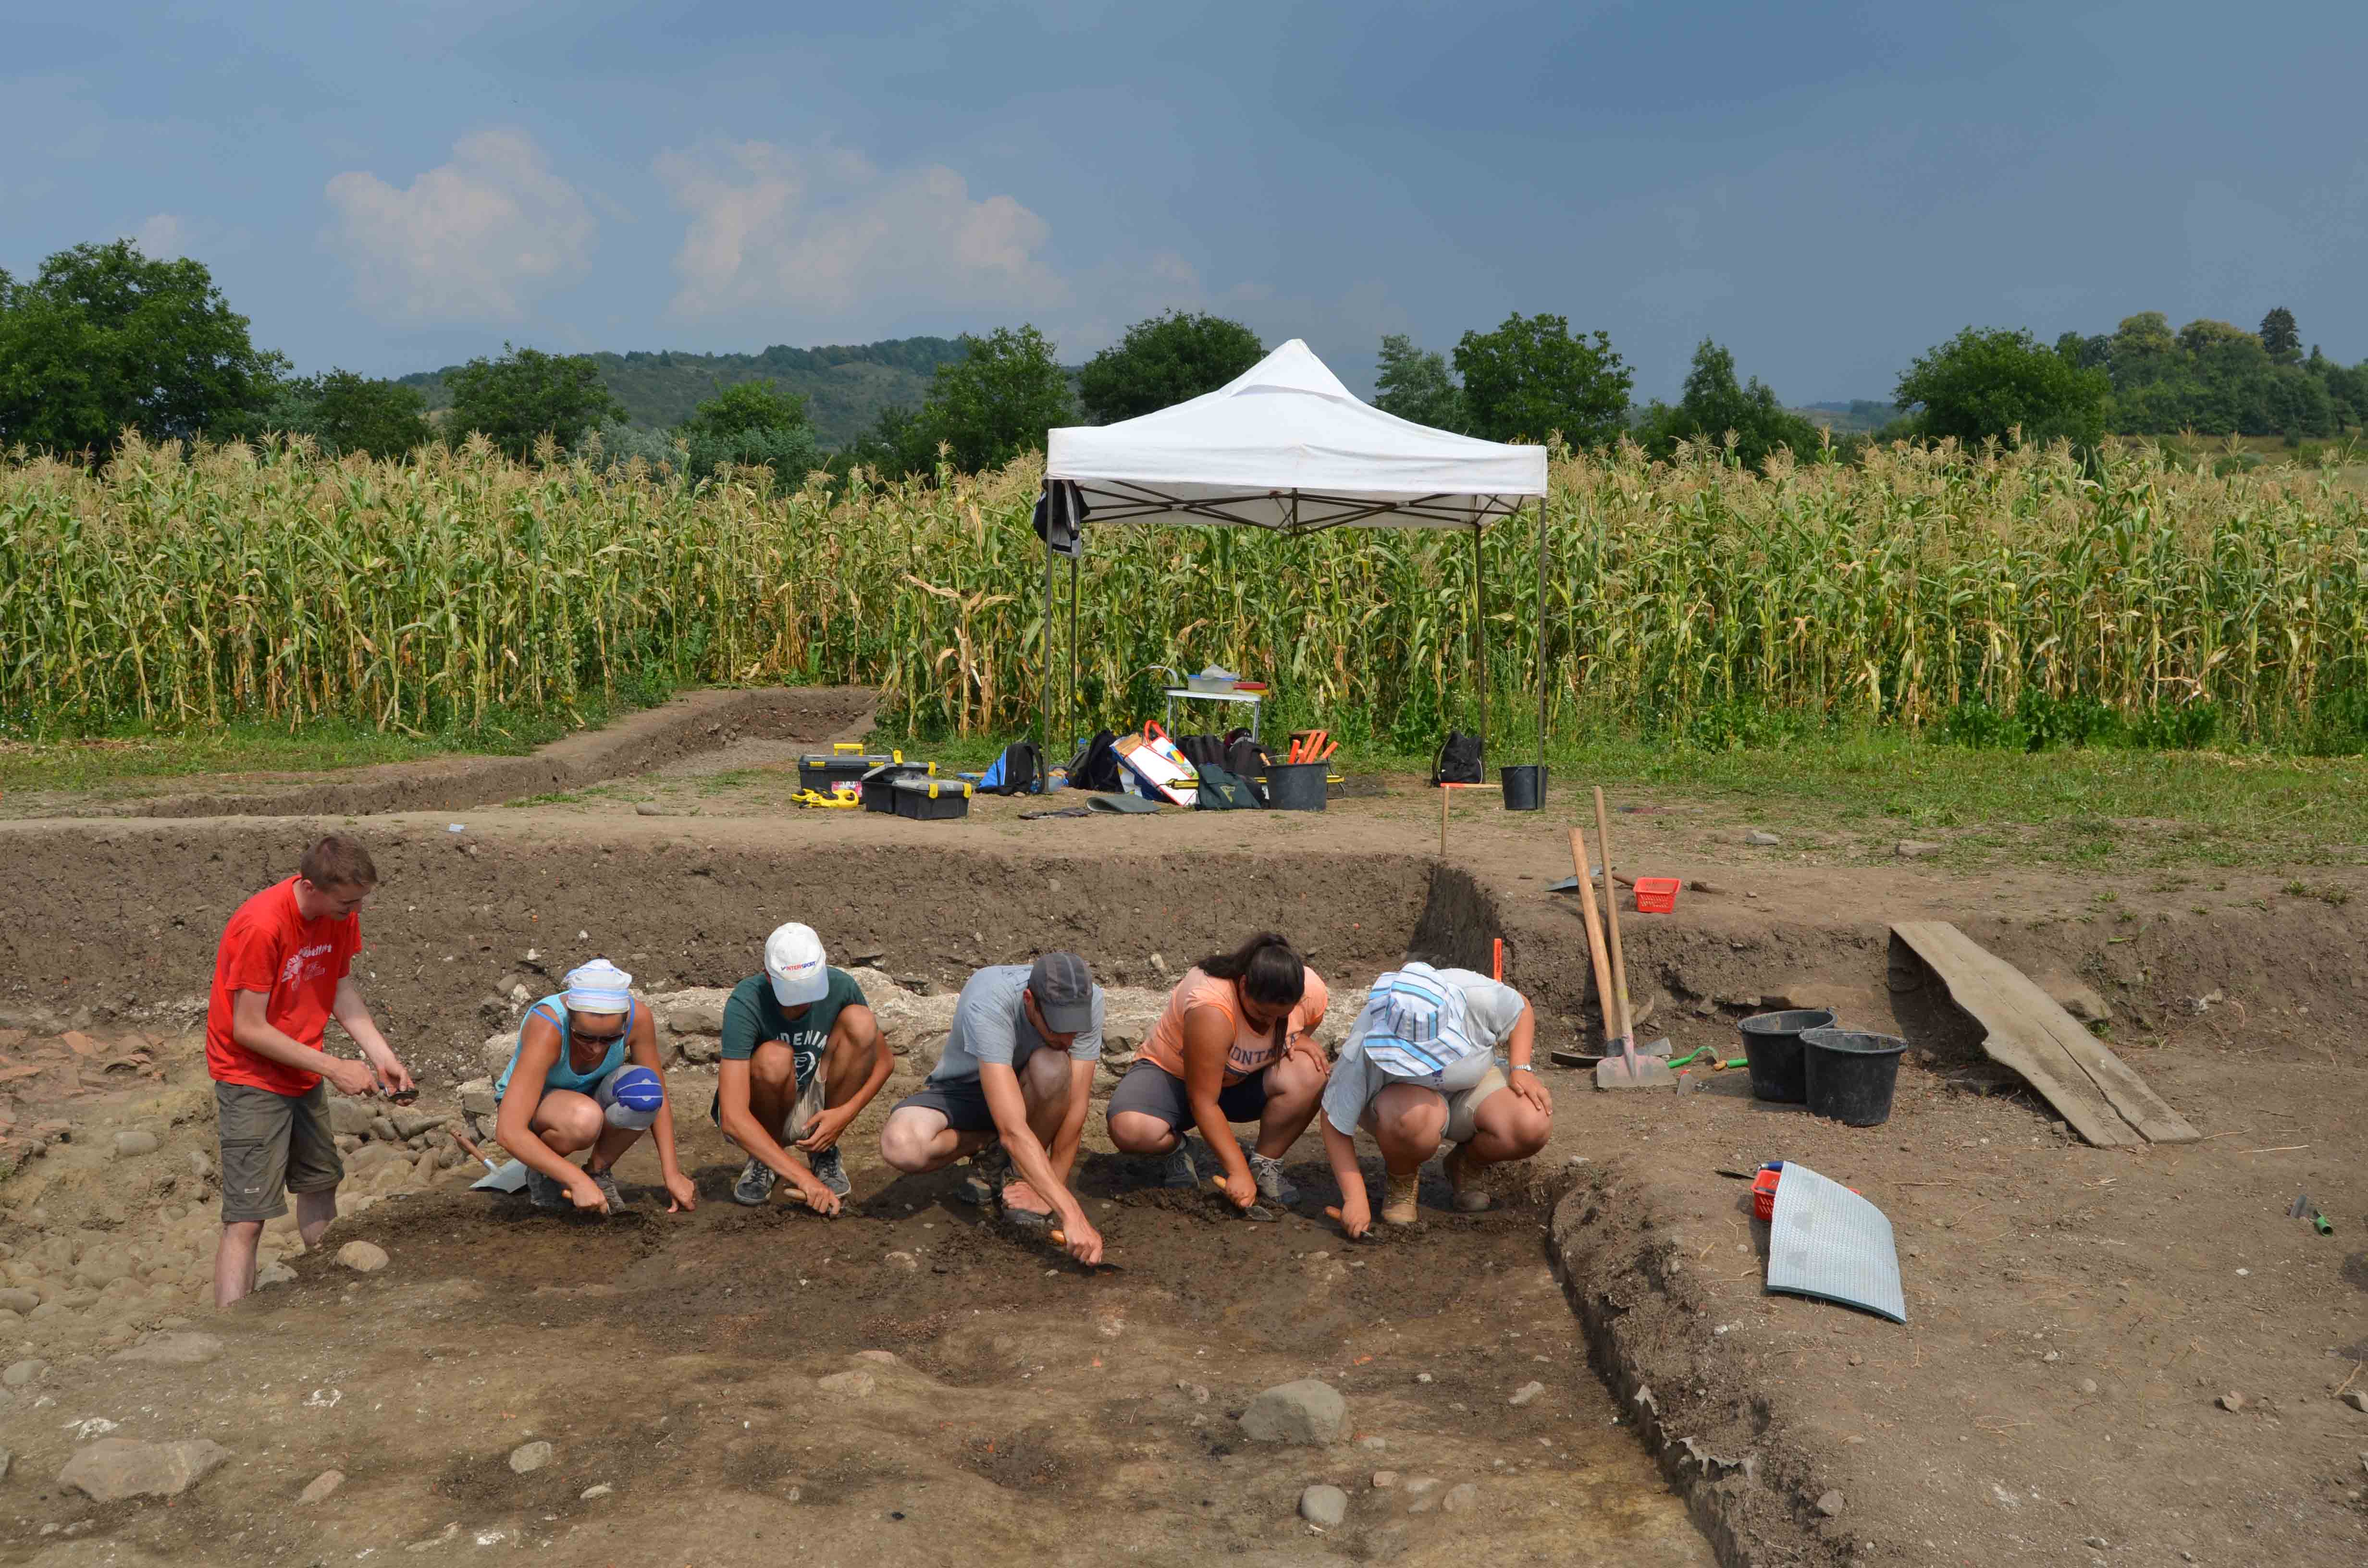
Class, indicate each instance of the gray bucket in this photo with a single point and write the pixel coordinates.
(1525, 787)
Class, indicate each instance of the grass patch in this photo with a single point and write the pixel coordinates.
(122, 761)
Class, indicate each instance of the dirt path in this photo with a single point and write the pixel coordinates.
(2164, 1279)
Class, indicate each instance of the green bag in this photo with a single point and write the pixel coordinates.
(1222, 791)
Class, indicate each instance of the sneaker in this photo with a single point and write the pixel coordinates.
(990, 1168)
(546, 1193)
(1400, 1207)
(756, 1183)
(1469, 1200)
(608, 1186)
(831, 1171)
(1177, 1169)
(1271, 1182)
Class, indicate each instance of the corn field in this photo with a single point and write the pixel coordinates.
(176, 588)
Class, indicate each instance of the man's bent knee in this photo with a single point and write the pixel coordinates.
(904, 1142)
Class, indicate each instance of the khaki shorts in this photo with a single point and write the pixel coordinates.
(801, 1117)
(272, 1145)
(1462, 1106)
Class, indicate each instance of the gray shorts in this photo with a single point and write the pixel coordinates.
(962, 1101)
(1150, 1089)
(272, 1145)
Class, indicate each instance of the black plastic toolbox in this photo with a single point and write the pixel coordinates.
(880, 783)
(926, 799)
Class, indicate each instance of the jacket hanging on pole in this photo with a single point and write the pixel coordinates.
(1061, 513)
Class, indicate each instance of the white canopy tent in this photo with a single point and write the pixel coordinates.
(1285, 447)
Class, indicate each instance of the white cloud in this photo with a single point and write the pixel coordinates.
(163, 237)
(826, 232)
(467, 240)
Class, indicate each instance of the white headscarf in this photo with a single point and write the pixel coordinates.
(599, 987)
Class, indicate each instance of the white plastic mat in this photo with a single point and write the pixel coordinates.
(1827, 1242)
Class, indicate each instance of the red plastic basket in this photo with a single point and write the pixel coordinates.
(1658, 895)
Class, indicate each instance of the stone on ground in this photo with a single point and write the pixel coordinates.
(1830, 1505)
(589, 1492)
(2357, 1400)
(856, 1384)
(20, 1373)
(1325, 1506)
(1761, 838)
(351, 1116)
(20, 1302)
(2075, 996)
(362, 1258)
(115, 1468)
(1308, 1411)
(1460, 1499)
(135, 1142)
(320, 1486)
(1915, 848)
(175, 1349)
(477, 1096)
(527, 1457)
(1526, 1392)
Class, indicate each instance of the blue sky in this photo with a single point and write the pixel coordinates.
(1827, 188)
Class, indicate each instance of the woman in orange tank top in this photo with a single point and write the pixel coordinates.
(1236, 1044)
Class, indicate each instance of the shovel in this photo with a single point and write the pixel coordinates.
(1620, 1068)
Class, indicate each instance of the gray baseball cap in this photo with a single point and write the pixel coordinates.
(1064, 989)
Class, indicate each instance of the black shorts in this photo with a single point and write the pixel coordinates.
(1153, 1090)
(961, 1102)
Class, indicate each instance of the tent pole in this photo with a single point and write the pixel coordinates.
(1073, 640)
(1045, 733)
(1479, 647)
(1542, 633)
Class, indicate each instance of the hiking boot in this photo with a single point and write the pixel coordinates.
(1176, 1167)
(990, 1168)
(831, 1171)
(1271, 1182)
(756, 1183)
(608, 1186)
(1399, 1209)
(1469, 1198)
(546, 1193)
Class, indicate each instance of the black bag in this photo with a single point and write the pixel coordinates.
(1459, 760)
(1247, 761)
(1221, 791)
(1198, 749)
(1014, 772)
(1096, 767)
(1061, 514)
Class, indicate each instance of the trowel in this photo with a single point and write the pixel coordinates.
(1621, 1067)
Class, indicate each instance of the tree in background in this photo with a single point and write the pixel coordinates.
(348, 412)
(1415, 383)
(527, 393)
(1162, 361)
(1981, 384)
(752, 424)
(104, 339)
(1530, 379)
(1714, 404)
(984, 408)
(2280, 338)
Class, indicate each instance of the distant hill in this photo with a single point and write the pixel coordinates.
(1858, 416)
(844, 387)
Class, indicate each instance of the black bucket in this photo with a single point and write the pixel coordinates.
(1296, 786)
(1772, 1041)
(1525, 787)
(1851, 1074)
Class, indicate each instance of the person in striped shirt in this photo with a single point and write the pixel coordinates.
(1418, 1068)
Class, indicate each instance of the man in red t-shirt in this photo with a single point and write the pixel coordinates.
(282, 972)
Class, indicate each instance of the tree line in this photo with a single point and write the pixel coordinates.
(104, 339)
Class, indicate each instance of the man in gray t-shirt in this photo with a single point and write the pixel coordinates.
(1012, 1088)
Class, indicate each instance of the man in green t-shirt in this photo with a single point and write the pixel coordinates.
(803, 1054)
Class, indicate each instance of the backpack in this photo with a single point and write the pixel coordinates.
(1198, 749)
(1459, 760)
(1014, 772)
(1221, 791)
(1096, 765)
(1247, 761)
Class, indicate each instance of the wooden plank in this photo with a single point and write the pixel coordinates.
(1969, 974)
(2123, 1089)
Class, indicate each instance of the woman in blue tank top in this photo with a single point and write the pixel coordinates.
(585, 1076)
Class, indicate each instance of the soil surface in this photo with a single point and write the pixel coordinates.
(2158, 1282)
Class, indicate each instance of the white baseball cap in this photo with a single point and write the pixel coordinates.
(793, 961)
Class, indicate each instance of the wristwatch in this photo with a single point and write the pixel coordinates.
(1520, 1067)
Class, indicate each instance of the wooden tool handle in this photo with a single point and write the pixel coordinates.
(1604, 999)
(1611, 911)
